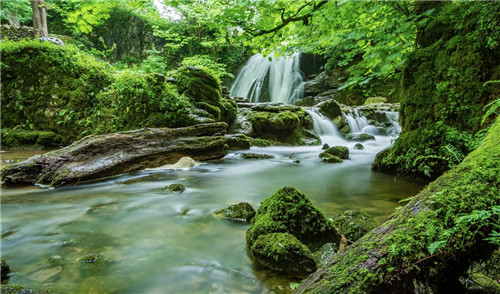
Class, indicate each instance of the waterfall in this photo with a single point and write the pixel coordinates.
(356, 121)
(326, 130)
(269, 78)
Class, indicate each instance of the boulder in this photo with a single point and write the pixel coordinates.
(290, 211)
(339, 151)
(238, 141)
(328, 158)
(354, 224)
(359, 137)
(283, 252)
(327, 80)
(241, 212)
(100, 156)
(5, 270)
(330, 109)
(375, 100)
(359, 146)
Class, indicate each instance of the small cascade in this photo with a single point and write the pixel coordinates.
(357, 122)
(269, 78)
(326, 130)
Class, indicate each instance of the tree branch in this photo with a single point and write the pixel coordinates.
(293, 18)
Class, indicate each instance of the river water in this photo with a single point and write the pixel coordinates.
(157, 242)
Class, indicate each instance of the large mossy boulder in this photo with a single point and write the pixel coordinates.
(289, 216)
(241, 212)
(283, 252)
(445, 89)
(290, 211)
(330, 109)
(276, 122)
(204, 92)
(339, 151)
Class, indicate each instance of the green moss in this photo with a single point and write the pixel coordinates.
(328, 158)
(338, 151)
(15, 289)
(290, 211)
(175, 188)
(256, 156)
(444, 91)
(237, 212)
(375, 100)
(433, 239)
(285, 253)
(33, 139)
(49, 87)
(353, 224)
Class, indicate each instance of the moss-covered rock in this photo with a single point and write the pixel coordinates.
(49, 87)
(360, 137)
(174, 188)
(283, 252)
(16, 289)
(290, 211)
(241, 212)
(204, 91)
(330, 109)
(256, 156)
(339, 151)
(18, 138)
(277, 123)
(445, 90)
(353, 224)
(375, 100)
(359, 146)
(328, 158)
(92, 258)
(5, 270)
(238, 141)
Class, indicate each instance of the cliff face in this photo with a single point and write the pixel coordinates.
(445, 90)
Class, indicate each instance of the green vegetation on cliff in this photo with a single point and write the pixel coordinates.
(445, 90)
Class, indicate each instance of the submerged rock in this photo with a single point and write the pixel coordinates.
(92, 258)
(16, 289)
(242, 211)
(283, 252)
(256, 156)
(359, 137)
(328, 158)
(100, 156)
(354, 224)
(339, 151)
(5, 270)
(174, 188)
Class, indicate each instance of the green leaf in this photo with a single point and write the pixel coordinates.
(294, 286)
(435, 246)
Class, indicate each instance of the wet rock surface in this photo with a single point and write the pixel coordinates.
(94, 157)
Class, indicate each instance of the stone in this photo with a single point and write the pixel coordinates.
(98, 156)
(325, 146)
(5, 271)
(92, 258)
(359, 146)
(283, 252)
(359, 137)
(238, 141)
(241, 212)
(330, 109)
(256, 156)
(328, 158)
(339, 151)
(54, 40)
(354, 224)
(326, 80)
(174, 188)
(290, 211)
(375, 100)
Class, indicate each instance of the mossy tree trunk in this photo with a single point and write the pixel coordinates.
(429, 243)
(39, 8)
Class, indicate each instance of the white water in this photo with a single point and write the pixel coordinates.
(325, 129)
(357, 122)
(278, 78)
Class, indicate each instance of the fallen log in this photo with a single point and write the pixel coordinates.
(98, 156)
(425, 246)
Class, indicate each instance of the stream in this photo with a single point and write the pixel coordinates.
(155, 242)
(152, 241)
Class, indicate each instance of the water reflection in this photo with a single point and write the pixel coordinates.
(157, 242)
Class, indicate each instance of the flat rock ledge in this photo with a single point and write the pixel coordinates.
(98, 156)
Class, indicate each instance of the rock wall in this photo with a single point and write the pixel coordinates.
(444, 90)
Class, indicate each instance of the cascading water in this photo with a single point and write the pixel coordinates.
(326, 130)
(269, 78)
(356, 122)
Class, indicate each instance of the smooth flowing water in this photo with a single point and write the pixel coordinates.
(270, 78)
(156, 242)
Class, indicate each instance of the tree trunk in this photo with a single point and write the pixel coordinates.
(39, 8)
(428, 244)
